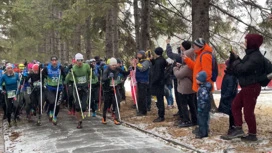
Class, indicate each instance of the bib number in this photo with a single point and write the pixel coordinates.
(36, 84)
(81, 80)
(11, 94)
(55, 79)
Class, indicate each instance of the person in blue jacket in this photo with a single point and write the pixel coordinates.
(11, 80)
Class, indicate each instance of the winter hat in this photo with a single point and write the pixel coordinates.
(54, 58)
(79, 56)
(35, 67)
(93, 60)
(119, 61)
(202, 76)
(112, 61)
(159, 51)
(186, 45)
(169, 61)
(29, 66)
(254, 41)
(9, 65)
(142, 52)
(200, 42)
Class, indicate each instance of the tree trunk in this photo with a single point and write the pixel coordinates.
(137, 24)
(200, 19)
(109, 35)
(77, 40)
(115, 37)
(145, 25)
(88, 37)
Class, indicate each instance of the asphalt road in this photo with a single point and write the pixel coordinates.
(93, 138)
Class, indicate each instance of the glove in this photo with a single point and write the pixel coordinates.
(70, 66)
(111, 75)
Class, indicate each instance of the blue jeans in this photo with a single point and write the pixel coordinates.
(170, 100)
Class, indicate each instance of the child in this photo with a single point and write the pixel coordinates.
(228, 93)
(203, 104)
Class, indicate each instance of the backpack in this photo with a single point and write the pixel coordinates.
(214, 65)
(267, 70)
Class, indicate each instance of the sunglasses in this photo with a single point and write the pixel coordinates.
(80, 60)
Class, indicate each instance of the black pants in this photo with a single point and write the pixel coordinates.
(188, 100)
(142, 97)
(94, 98)
(160, 105)
(109, 99)
(11, 107)
(35, 98)
(122, 91)
(50, 99)
(83, 96)
(177, 97)
(231, 121)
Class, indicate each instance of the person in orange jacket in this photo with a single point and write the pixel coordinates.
(203, 61)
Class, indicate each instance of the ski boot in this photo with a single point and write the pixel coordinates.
(94, 114)
(54, 121)
(50, 116)
(79, 125)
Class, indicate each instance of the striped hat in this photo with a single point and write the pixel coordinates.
(200, 42)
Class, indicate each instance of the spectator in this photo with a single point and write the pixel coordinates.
(248, 70)
(185, 93)
(157, 82)
(203, 104)
(142, 79)
(177, 58)
(168, 76)
(228, 93)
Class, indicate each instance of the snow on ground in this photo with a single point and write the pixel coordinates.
(218, 127)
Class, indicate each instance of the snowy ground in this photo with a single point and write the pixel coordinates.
(93, 138)
(218, 127)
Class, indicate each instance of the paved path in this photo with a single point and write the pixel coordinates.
(93, 138)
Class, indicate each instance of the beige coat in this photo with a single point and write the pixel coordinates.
(184, 75)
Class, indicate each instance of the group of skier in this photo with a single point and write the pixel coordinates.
(81, 86)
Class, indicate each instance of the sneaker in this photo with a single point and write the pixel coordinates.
(116, 122)
(236, 133)
(159, 119)
(185, 124)
(94, 114)
(54, 121)
(104, 121)
(249, 138)
(230, 130)
(79, 125)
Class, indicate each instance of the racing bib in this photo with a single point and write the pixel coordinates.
(36, 83)
(11, 94)
(81, 80)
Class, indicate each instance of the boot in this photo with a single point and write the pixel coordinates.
(236, 133)
(159, 119)
(249, 138)
(79, 125)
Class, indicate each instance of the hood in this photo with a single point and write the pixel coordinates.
(208, 85)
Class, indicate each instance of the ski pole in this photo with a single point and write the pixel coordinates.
(41, 93)
(56, 99)
(133, 91)
(77, 94)
(117, 106)
(90, 95)
(17, 100)
(100, 91)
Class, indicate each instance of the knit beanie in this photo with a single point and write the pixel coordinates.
(200, 42)
(202, 76)
(79, 56)
(159, 51)
(186, 45)
(112, 61)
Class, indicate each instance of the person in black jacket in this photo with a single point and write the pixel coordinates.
(228, 92)
(248, 70)
(157, 81)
